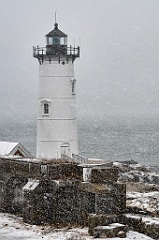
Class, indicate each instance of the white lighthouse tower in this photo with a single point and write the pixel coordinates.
(56, 123)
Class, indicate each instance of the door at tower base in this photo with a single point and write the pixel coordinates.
(65, 149)
(49, 150)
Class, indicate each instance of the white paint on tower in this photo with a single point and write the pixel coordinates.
(56, 123)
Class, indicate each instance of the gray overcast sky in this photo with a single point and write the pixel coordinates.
(118, 72)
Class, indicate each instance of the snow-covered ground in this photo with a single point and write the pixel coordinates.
(13, 228)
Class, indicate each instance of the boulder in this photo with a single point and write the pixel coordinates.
(144, 224)
(110, 231)
(95, 220)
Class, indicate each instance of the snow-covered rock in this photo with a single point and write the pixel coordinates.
(144, 224)
(130, 171)
(143, 202)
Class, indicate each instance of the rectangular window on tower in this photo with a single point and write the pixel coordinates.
(46, 108)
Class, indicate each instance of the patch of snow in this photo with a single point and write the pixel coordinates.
(150, 220)
(7, 147)
(142, 195)
(134, 216)
(117, 225)
(12, 227)
(31, 185)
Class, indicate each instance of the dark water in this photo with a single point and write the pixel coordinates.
(121, 139)
(114, 139)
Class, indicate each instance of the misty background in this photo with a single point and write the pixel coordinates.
(118, 70)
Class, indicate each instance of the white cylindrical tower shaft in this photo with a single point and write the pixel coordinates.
(56, 123)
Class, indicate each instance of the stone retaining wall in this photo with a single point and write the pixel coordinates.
(54, 192)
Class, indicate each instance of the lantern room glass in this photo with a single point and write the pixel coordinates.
(63, 40)
(56, 40)
(49, 41)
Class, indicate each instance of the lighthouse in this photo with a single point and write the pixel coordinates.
(56, 122)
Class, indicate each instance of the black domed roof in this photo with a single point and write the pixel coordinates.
(56, 32)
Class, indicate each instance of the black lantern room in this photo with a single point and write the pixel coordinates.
(56, 48)
(56, 37)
